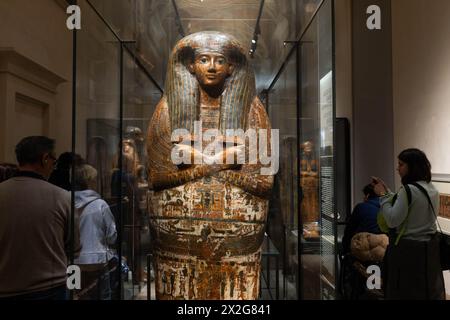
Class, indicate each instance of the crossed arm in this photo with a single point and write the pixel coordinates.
(164, 174)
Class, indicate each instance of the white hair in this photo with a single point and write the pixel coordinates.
(85, 175)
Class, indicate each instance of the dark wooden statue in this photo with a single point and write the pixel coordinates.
(207, 220)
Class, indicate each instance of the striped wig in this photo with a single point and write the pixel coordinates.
(182, 88)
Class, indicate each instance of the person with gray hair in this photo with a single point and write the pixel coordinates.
(97, 234)
(37, 237)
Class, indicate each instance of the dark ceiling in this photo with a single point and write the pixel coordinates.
(155, 26)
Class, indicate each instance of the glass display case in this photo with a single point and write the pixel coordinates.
(302, 220)
(121, 58)
(283, 213)
(97, 130)
(115, 99)
(317, 174)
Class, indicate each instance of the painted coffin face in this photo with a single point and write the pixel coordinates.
(211, 69)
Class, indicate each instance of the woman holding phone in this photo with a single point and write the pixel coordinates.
(412, 265)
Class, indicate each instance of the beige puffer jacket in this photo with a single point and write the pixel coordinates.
(369, 247)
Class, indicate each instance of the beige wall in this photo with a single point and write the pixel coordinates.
(421, 77)
(373, 125)
(421, 73)
(37, 31)
(344, 100)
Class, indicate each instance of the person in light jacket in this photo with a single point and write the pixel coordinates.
(98, 236)
(412, 260)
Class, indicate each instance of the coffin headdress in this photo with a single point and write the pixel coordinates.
(182, 88)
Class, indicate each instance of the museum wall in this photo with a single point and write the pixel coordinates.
(372, 97)
(343, 47)
(421, 74)
(420, 51)
(35, 73)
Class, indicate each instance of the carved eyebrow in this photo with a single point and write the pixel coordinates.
(207, 54)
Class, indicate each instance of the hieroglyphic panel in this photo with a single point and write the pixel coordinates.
(214, 252)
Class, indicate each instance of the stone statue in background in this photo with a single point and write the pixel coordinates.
(207, 220)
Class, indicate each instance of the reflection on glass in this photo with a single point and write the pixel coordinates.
(317, 164)
(140, 99)
(112, 143)
(96, 140)
(312, 153)
(283, 216)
